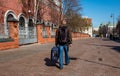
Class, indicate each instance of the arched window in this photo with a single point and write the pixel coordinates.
(21, 23)
(31, 28)
(9, 17)
(30, 23)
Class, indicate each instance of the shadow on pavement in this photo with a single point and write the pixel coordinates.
(48, 62)
(100, 63)
(116, 48)
(73, 58)
(117, 40)
(107, 39)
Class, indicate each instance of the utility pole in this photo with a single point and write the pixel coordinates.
(112, 16)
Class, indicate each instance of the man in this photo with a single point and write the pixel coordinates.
(63, 40)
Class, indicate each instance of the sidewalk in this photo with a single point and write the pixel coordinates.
(24, 50)
(89, 57)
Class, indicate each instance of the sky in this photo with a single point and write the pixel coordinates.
(100, 10)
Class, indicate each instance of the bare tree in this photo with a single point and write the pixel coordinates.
(36, 8)
(39, 9)
(69, 5)
(55, 12)
(26, 6)
(71, 9)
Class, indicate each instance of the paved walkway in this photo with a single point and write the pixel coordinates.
(89, 57)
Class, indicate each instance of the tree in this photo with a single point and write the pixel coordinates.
(73, 22)
(71, 6)
(27, 7)
(71, 9)
(35, 8)
(103, 29)
(54, 12)
(38, 10)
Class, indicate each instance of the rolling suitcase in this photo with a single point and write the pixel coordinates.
(54, 54)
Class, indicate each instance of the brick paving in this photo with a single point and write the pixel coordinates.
(89, 57)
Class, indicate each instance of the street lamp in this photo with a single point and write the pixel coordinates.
(29, 11)
(112, 16)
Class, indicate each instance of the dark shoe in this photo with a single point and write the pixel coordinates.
(61, 68)
(67, 63)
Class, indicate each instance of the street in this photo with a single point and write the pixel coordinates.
(88, 57)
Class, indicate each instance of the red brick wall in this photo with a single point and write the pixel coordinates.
(79, 35)
(14, 35)
(40, 37)
(8, 45)
(14, 5)
(39, 33)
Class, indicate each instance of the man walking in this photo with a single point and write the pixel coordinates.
(63, 40)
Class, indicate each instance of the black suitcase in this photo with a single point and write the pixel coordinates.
(54, 54)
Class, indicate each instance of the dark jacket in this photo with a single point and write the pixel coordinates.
(57, 38)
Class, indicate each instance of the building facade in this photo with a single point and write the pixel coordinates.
(88, 29)
(33, 21)
(29, 21)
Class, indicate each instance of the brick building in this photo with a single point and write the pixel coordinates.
(29, 21)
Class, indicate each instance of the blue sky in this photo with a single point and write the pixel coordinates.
(100, 10)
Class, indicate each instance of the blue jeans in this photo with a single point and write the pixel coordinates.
(65, 49)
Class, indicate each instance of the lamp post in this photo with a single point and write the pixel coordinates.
(29, 11)
(112, 16)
